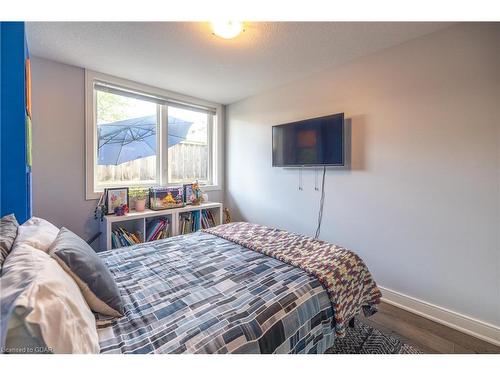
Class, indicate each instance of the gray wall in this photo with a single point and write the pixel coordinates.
(421, 202)
(59, 147)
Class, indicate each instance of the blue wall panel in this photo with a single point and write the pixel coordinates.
(15, 190)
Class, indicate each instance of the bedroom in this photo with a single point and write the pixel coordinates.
(155, 134)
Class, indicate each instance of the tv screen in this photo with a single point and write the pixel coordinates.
(306, 143)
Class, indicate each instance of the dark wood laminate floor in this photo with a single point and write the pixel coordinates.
(428, 336)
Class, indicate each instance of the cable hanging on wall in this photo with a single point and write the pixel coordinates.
(321, 203)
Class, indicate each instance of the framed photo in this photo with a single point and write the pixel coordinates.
(115, 197)
(188, 193)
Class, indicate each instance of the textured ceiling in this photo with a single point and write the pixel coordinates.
(185, 57)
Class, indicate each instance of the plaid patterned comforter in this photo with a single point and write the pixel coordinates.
(349, 284)
(200, 293)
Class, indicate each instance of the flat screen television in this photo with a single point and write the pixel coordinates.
(308, 143)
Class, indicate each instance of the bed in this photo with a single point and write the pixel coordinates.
(236, 288)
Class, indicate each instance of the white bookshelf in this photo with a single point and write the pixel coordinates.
(136, 221)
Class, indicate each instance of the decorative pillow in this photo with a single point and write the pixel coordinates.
(90, 273)
(42, 308)
(8, 233)
(38, 233)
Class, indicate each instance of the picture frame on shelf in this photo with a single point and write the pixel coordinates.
(188, 193)
(116, 197)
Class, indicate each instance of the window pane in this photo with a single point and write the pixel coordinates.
(188, 149)
(126, 131)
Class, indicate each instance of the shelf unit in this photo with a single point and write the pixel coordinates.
(136, 222)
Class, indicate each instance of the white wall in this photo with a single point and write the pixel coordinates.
(59, 148)
(421, 203)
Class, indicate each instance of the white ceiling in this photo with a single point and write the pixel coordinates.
(185, 57)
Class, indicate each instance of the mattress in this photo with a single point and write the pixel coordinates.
(200, 293)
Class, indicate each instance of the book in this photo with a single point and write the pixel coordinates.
(158, 229)
(207, 219)
(187, 223)
(121, 237)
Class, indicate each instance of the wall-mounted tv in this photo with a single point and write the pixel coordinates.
(308, 143)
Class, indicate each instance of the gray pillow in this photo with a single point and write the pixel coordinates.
(8, 233)
(90, 273)
(42, 308)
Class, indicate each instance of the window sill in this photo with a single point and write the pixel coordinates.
(205, 188)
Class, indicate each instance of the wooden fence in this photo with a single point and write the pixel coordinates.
(188, 161)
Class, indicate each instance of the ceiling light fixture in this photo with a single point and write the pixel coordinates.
(227, 29)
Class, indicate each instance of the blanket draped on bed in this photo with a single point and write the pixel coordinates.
(199, 293)
(346, 278)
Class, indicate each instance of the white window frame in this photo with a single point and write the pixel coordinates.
(215, 140)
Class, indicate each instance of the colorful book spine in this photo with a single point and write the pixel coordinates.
(120, 237)
(158, 230)
(207, 219)
(190, 222)
(187, 223)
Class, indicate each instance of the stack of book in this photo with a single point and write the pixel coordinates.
(122, 237)
(158, 230)
(207, 219)
(189, 222)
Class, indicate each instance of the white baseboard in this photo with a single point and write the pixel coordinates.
(462, 323)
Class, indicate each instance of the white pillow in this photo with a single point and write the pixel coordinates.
(43, 306)
(38, 233)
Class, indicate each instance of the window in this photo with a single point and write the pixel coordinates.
(188, 145)
(126, 141)
(142, 136)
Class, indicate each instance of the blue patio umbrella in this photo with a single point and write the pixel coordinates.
(135, 138)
